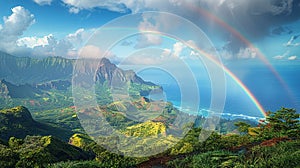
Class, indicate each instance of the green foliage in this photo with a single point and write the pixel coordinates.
(76, 164)
(80, 140)
(218, 150)
(232, 141)
(8, 158)
(191, 142)
(284, 154)
(37, 151)
(206, 160)
(103, 94)
(182, 148)
(65, 118)
(137, 90)
(108, 159)
(188, 144)
(242, 127)
(117, 162)
(31, 70)
(19, 123)
(39, 100)
(146, 129)
(105, 158)
(282, 123)
(15, 143)
(212, 142)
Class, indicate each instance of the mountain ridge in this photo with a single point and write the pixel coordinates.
(18, 122)
(33, 71)
(26, 70)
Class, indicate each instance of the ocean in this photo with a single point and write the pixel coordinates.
(266, 87)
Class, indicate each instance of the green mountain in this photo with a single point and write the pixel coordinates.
(25, 70)
(9, 90)
(19, 123)
(39, 151)
(110, 73)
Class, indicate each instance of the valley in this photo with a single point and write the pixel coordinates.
(41, 127)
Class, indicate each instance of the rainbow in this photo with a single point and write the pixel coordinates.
(217, 62)
(225, 25)
(220, 65)
(237, 80)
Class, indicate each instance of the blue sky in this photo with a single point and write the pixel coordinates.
(42, 28)
(56, 18)
(271, 26)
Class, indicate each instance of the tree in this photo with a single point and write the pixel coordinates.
(242, 127)
(8, 158)
(15, 143)
(284, 122)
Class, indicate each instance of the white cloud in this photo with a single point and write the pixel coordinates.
(50, 46)
(279, 57)
(34, 41)
(147, 27)
(74, 10)
(177, 49)
(291, 42)
(78, 38)
(284, 55)
(112, 5)
(151, 26)
(175, 52)
(132, 5)
(53, 48)
(291, 58)
(43, 2)
(193, 53)
(246, 53)
(284, 7)
(244, 14)
(257, 7)
(225, 54)
(14, 26)
(76, 34)
(45, 46)
(166, 52)
(192, 44)
(164, 56)
(91, 51)
(143, 60)
(146, 40)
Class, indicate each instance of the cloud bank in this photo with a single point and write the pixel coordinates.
(14, 27)
(43, 2)
(255, 19)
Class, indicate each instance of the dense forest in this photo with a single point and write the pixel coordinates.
(274, 142)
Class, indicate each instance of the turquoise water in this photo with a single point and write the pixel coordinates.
(264, 85)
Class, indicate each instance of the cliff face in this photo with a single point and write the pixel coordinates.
(4, 93)
(115, 76)
(41, 72)
(25, 70)
(9, 90)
